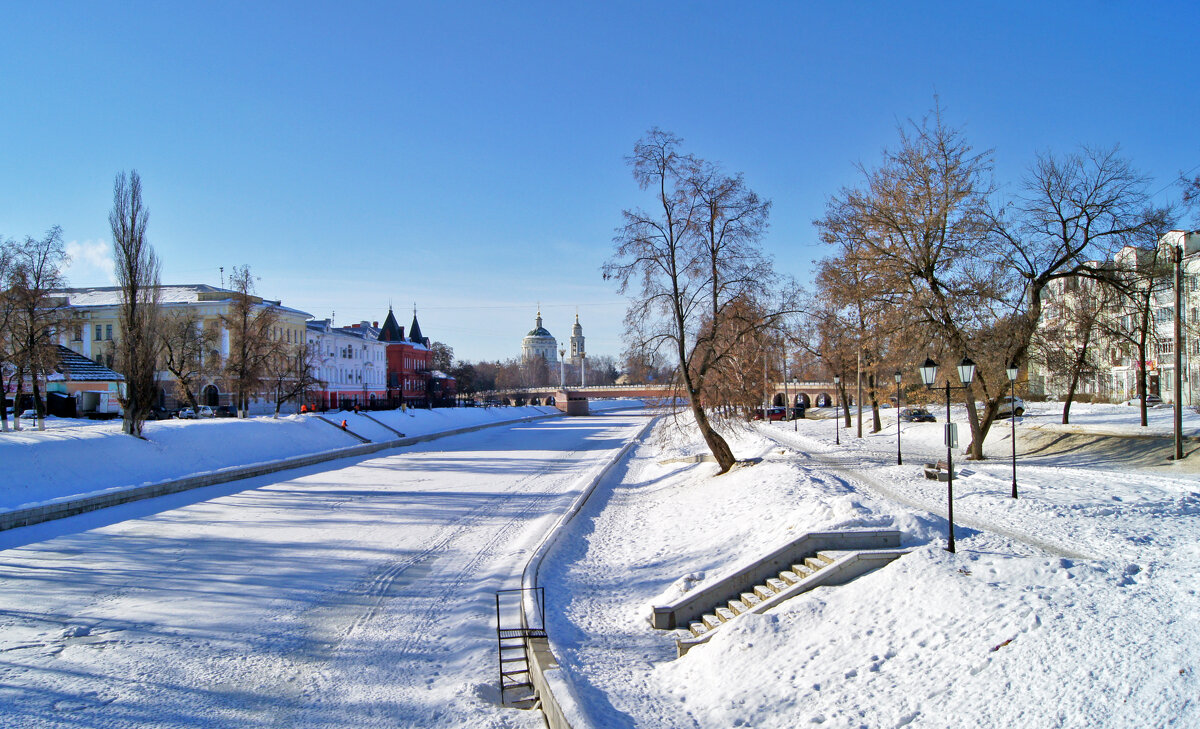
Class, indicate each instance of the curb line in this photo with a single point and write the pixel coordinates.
(544, 671)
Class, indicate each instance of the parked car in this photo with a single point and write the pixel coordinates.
(205, 412)
(772, 413)
(1009, 405)
(160, 413)
(1151, 401)
(225, 411)
(29, 414)
(187, 414)
(916, 415)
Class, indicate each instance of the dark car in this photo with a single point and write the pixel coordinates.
(160, 413)
(225, 411)
(917, 415)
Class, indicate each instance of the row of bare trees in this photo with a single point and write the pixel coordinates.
(150, 337)
(931, 260)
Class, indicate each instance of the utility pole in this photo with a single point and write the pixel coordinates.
(1178, 374)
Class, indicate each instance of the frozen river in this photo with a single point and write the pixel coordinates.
(358, 594)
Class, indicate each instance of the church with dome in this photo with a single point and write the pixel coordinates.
(539, 342)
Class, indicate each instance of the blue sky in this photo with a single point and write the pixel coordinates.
(469, 157)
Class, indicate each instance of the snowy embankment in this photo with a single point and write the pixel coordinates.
(74, 458)
(1075, 605)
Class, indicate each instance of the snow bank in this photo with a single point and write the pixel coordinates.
(1006, 632)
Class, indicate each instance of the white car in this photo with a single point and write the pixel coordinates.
(1009, 405)
(204, 412)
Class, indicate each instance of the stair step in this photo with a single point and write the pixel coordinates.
(737, 606)
(698, 629)
(832, 555)
(776, 584)
(513, 660)
(801, 570)
(749, 599)
(814, 564)
(724, 614)
(789, 577)
(711, 621)
(763, 591)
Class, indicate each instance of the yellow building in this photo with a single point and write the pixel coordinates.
(93, 327)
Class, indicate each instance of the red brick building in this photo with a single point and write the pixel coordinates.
(411, 379)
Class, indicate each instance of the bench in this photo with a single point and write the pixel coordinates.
(939, 471)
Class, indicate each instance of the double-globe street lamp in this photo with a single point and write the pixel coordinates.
(966, 374)
(1011, 371)
(899, 458)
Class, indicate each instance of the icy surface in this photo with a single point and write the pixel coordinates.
(357, 594)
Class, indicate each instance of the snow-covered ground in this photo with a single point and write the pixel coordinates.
(77, 457)
(1074, 606)
(352, 594)
(359, 592)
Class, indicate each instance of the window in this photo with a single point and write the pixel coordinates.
(78, 333)
(99, 331)
(108, 332)
(1162, 314)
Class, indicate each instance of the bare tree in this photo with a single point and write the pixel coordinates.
(1065, 341)
(187, 347)
(37, 313)
(8, 342)
(137, 271)
(688, 262)
(441, 356)
(291, 371)
(250, 324)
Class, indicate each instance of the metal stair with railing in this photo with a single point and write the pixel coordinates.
(513, 640)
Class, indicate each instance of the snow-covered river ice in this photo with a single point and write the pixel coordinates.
(356, 594)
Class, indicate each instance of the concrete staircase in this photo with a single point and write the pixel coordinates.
(813, 560)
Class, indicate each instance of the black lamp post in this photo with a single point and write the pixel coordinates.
(1012, 381)
(966, 374)
(899, 458)
(837, 430)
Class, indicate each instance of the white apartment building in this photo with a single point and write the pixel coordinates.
(1113, 346)
(351, 361)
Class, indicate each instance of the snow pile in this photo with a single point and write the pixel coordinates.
(1075, 605)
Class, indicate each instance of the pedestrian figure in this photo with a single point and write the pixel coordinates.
(343, 425)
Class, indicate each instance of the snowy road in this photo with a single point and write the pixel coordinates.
(354, 597)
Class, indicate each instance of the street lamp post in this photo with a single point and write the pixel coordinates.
(899, 458)
(966, 374)
(795, 425)
(837, 430)
(787, 398)
(562, 368)
(1012, 381)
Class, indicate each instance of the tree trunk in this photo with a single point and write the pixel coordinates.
(716, 444)
(37, 403)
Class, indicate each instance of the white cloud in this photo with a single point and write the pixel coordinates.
(91, 264)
